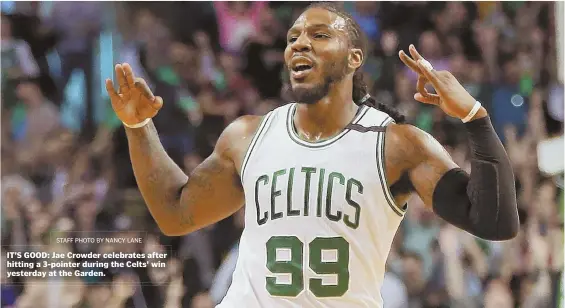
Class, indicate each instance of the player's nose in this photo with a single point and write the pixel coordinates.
(301, 44)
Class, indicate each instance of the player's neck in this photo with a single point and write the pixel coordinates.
(328, 117)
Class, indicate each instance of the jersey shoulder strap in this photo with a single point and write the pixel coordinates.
(259, 132)
(374, 121)
(273, 118)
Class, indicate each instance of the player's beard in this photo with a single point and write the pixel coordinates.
(334, 71)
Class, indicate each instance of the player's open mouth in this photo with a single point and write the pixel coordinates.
(300, 71)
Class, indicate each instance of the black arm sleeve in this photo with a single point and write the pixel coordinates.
(484, 203)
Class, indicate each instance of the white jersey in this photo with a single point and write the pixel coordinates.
(319, 217)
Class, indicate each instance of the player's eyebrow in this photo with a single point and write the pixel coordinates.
(295, 29)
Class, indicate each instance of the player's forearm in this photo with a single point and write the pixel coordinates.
(483, 203)
(159, 179)
(491, 185)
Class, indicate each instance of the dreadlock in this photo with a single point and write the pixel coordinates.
(358, 39)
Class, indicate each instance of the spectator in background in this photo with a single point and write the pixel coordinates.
(17, 62)
(366, 14)
(132, 35)
(223, 277)
(387, 61)
(509, 106)
(413, 277)
(497, 295)
(430, 45)
(78, 25)
(27, 24)
(153, 38)
(177, 132)
(32, 123)
(264, 55)
(237, 21)
(394, 292)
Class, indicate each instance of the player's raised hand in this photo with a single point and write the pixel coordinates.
(134, 102)
(451, 97)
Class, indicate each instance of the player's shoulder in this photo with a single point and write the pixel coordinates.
(410, 144)
(370, 116)
(244, 128)
(233, 140)
(406, 139)
(405, 133)
(240, 130)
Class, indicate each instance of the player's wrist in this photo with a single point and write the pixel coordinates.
(137, 125)
(481, 113)
(477, 112)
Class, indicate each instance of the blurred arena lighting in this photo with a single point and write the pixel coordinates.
(550, 156)
(517, 100)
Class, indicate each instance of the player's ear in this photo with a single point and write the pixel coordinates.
(355, 58)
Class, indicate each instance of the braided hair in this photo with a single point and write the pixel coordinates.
(358, 39)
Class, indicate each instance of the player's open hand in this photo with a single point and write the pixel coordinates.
(451, 97)
(134, 102)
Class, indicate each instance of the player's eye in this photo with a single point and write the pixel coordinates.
(321, 36)
(292, 39)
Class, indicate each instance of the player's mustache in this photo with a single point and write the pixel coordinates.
(300, 55)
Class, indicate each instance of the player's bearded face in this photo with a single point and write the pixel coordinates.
(311, 92)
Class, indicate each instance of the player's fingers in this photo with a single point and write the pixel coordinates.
(121, 78)
(413, 65)
(432, 99)
(114, 97)
(130, 78)
(157, 103)
(110, 89)
(421, 85)
(414, 53)
(142, 86)
(430, 74)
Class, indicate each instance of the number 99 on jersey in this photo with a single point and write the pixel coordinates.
(295, 267)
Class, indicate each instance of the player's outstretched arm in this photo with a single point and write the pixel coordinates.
(179, 204)
(482, 203)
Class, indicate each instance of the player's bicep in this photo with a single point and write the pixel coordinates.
(214, 190)
(434, 162)
(212, 193)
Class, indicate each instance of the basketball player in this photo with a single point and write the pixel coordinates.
(325, 179)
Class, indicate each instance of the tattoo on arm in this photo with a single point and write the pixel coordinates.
(158, 177)
(182, 204)
(199, 183)
(213, 180)
(425, 177)
(186, 219)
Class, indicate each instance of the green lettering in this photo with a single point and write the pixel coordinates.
(289, 210)
(331, 177)
(275, 193)
(320, 191)
(355, 223)
(339, 268)
(308, 171)
(294, 266)
(265, 179)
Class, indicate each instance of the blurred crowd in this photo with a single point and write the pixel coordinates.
(66, 170)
